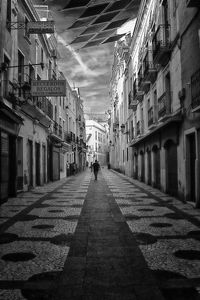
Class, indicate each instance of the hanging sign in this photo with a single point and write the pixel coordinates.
(48, 88)
(40, 27)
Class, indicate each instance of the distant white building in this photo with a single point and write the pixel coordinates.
(96, 140)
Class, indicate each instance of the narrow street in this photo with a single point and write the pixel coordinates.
(114, 238)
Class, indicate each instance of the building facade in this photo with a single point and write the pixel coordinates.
(154, 124)
(38, 133)
(96, 142)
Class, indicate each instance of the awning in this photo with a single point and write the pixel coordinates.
(92, 22)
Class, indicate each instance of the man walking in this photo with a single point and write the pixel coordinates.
(96, 167)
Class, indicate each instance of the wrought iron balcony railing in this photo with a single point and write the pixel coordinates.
(161, 45)
(132, 104)
(150, 71)
(150, 116)
(138, 129)
(164, 105)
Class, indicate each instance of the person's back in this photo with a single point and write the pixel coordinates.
(96, 167)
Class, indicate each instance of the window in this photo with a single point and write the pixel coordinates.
(5, 77)
(26, 34)
(20, 70)
(95, 135)
(50, 70)
(42, 55)
(132, 130)
(127, 154)
(31, 73)
(55, 113)
(8, 14)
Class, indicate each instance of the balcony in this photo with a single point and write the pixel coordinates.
(164, 105)
(161, 45)
(140, 77)
(150, 72)
(139, 128)
(132, 104)
(116, 124)
(73, 138)
(150, 117)
(195, 91)
(60, 131)
(55, 128)
(45, 105)
(137, 93)
(67, 137)
(143, 84)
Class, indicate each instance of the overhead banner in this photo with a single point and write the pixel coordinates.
(40, 27)
(48, 88)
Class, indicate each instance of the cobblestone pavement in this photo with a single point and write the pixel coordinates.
(115, 238)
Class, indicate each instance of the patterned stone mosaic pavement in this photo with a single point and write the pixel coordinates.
(36, 229)
(167, 231)
(101, 239)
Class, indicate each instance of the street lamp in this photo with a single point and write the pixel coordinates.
(122, 128)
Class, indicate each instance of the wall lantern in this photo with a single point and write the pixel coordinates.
(122, 128)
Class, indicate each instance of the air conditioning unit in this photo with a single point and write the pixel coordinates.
(193, 3)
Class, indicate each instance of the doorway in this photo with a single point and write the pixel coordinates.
(43, 164)
(191, 166)
(37, 163)
(142, 166)
(20, 163)
(29, 164)
(149, 180)
(171, 168)
(156, 166)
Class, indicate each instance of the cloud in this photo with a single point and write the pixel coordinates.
(87, 71)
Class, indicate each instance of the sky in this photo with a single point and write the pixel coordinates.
(88, 69)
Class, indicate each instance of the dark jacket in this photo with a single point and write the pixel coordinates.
(96, 166)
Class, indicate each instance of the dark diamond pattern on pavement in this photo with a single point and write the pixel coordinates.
(115, 238)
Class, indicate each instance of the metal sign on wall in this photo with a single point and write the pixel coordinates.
(39, 27)
(48, 88)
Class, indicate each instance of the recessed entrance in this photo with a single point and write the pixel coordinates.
(171, 168)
